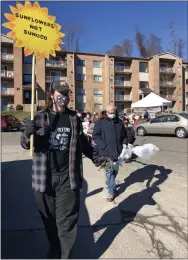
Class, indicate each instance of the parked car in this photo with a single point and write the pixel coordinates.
(9, 122)
(23, 123)
(175, 124)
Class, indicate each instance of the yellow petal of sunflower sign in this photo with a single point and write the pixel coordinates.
(33, 29)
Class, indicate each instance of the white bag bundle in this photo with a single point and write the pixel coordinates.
(145, 151)
(126, 152)
(85, 126)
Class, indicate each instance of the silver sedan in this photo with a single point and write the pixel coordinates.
(171, 124)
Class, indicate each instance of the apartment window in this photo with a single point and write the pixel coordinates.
(80, 91)
(81, 63)
(4, 87)
(98, 106)
(143, 67)
(80, 77)
(97, 64)
(97, 78)
(27, 78)
(97, 92)
(144, 84)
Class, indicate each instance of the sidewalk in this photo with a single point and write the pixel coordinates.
(141, 223)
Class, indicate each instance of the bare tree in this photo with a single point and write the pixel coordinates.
(180, 47)
(116, 51)
(73, 33)
(148, 47)
(127, 48)
(141, 43)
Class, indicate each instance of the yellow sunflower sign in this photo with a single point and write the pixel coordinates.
(34, 29)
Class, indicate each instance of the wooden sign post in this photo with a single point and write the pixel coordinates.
(32, 102)
(33, 29)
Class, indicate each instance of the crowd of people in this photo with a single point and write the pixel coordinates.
(57, 169)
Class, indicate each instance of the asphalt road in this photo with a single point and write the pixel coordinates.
(143, 222)
(173, 151)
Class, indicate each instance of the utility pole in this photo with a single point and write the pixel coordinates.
(173, 42)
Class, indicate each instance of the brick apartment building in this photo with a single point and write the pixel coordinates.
(96, 80)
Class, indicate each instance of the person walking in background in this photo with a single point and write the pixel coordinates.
(57, 172)
(88, 117)
(146, 116)
(109, 134)
(136, 120)
(130, 139)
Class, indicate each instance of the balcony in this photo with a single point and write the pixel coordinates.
(167, 70)
(50, 79)
(123, 69)
(7, 91)
(56, 64)
(122, 98)
(7, 56)
(121, 83)
(7, 74)
(170, 84)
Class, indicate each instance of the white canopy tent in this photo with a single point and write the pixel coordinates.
(152, 100)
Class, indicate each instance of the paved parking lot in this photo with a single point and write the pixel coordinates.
(142, 222)
(173, 151)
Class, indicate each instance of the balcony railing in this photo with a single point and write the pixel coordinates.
(7, 91)
(56, 64)
(122, 97)
(122, 83)
(54, 78)
(167, 70)
(170, 84)
(7, 74)
(7, 56)
(122, 68)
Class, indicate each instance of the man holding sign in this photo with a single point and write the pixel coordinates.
(57, 168)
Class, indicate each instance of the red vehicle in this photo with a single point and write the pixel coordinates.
(9, 122)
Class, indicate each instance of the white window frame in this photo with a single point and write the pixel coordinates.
(142, 62)
(97, 92)
(147, 85)
(97, 66)
(99, 76)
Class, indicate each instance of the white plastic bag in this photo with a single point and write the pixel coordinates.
(145, 151)
(126, 152)
(85, 126)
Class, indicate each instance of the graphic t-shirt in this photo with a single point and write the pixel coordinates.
(59, 142)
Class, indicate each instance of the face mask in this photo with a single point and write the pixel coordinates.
(62, 101)
(111, 116)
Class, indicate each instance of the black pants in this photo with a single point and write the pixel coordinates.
(59, 209)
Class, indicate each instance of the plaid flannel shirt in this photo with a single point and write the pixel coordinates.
(78, 144)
